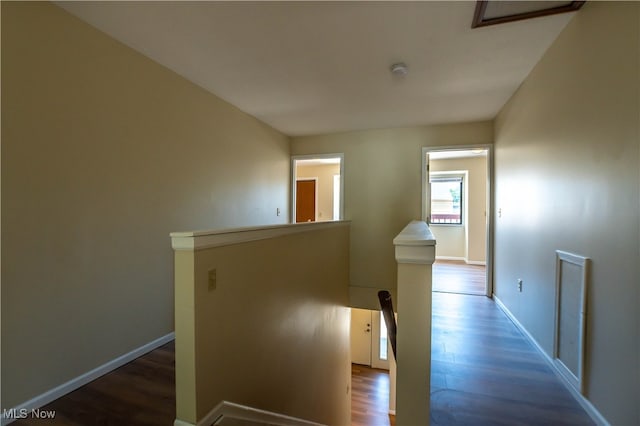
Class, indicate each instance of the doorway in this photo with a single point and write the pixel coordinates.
(317, 187)
(369, 342)
(457, 204)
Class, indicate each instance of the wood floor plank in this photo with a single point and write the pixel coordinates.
(484, 372)
(454, 276)
(493, 375)
(370, 397)
(140, 393)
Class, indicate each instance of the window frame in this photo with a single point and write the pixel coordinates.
(448, 176)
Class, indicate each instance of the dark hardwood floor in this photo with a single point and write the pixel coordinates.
(140, 393)
(370, 397)
(483, 372)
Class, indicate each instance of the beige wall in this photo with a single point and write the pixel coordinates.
(104, 152)
(325, 174)
(567, 178)
(274, 334)
(468, 241)
(383, 186)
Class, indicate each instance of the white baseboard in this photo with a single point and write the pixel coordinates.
(73, 384)
(584, 402)
(462, 259)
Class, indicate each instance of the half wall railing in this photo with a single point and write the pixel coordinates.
(262, 319)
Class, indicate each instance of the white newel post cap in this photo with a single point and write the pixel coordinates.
(415, 244)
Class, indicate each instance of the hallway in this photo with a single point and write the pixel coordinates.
(484, 372)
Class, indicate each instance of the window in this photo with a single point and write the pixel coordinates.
(383, 338)
(336, 197)
(446, 198)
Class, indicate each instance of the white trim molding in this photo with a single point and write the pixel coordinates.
(231, 412)
(328, 156)
(576, 378)
(456, 258)
(584, 402)
(73, 384)
(415, 244)
(463, 259)
(198, 240)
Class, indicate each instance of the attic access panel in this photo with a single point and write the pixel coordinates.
(491, 12)
(572, 273)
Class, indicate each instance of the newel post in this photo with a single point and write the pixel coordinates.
(415, 253)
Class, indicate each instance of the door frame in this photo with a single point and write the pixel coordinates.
(490, 199)
(294, 178)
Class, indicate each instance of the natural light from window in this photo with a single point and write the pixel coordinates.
(446, 199)
(383, 338)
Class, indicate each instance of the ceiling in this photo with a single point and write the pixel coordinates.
(323, 67)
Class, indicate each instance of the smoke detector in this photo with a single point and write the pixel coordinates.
(399, 68)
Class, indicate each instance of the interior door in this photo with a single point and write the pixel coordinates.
(361, 336)
(305, 201)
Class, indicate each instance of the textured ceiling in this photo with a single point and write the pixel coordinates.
(323, 67)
